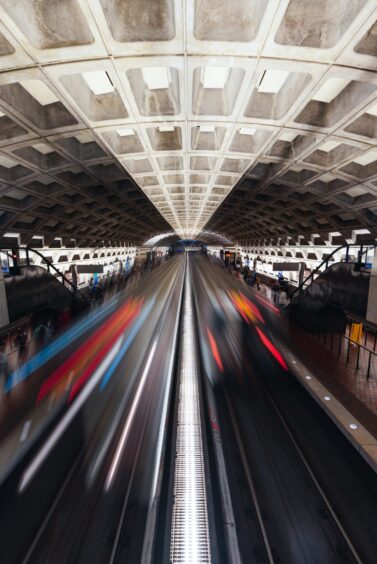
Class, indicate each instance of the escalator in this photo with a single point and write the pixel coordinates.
(342, 287)
(33, 288)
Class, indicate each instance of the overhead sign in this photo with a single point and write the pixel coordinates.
(286, 266)
(89, 268)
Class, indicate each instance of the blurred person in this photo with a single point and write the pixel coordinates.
(21, 343)
(3, 365)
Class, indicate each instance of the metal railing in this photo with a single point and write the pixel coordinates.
(343, 347)
(362, 250)
(49, 265)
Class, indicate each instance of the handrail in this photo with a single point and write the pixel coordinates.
(326, 261)
(28, 249)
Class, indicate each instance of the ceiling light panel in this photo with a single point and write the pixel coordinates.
(125, 132)
(186, 112)
(43, 148)
(215, 77)
(6, 162)
(39, 91)
(247, 131)
(156, 78)
(288, 137)
(272, 81)
(331, 89)
(366, 159)
(329, 146)
(98, 82)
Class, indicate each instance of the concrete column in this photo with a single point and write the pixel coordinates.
(372, 295)
(4, 316)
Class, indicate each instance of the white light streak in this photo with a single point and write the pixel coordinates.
(43, 453)
(130, 418)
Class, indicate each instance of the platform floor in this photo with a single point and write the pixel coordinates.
(348, 384)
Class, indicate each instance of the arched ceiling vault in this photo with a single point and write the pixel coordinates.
(121, 119)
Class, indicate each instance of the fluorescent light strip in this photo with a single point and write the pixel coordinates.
(189, 534)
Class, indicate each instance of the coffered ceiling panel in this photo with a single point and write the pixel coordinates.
(124, 118)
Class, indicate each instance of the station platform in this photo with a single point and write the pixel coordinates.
(351, 386)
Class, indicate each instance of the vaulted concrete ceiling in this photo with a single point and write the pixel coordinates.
(113, 108)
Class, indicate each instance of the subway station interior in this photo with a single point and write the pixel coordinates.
(188, 282)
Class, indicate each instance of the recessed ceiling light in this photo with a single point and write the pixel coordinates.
(327, 398)
(329, 146)
(43, 148)
(355, 192)
(125, 132)
(166, 128)
(327, 177)
(372, 110)
(98, 82)
(330, 89)
(247, 131)
(156, 78)
(366, 159)
(289, 137)
(215, 77)
(84, 137)
(6, 162)
(39, 91)
(353, 425)
(272, 81)
(206, 128)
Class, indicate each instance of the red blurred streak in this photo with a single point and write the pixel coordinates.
(271, 347)
(268, 304)
(94, 364)
(89, 347)
(215, 350)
